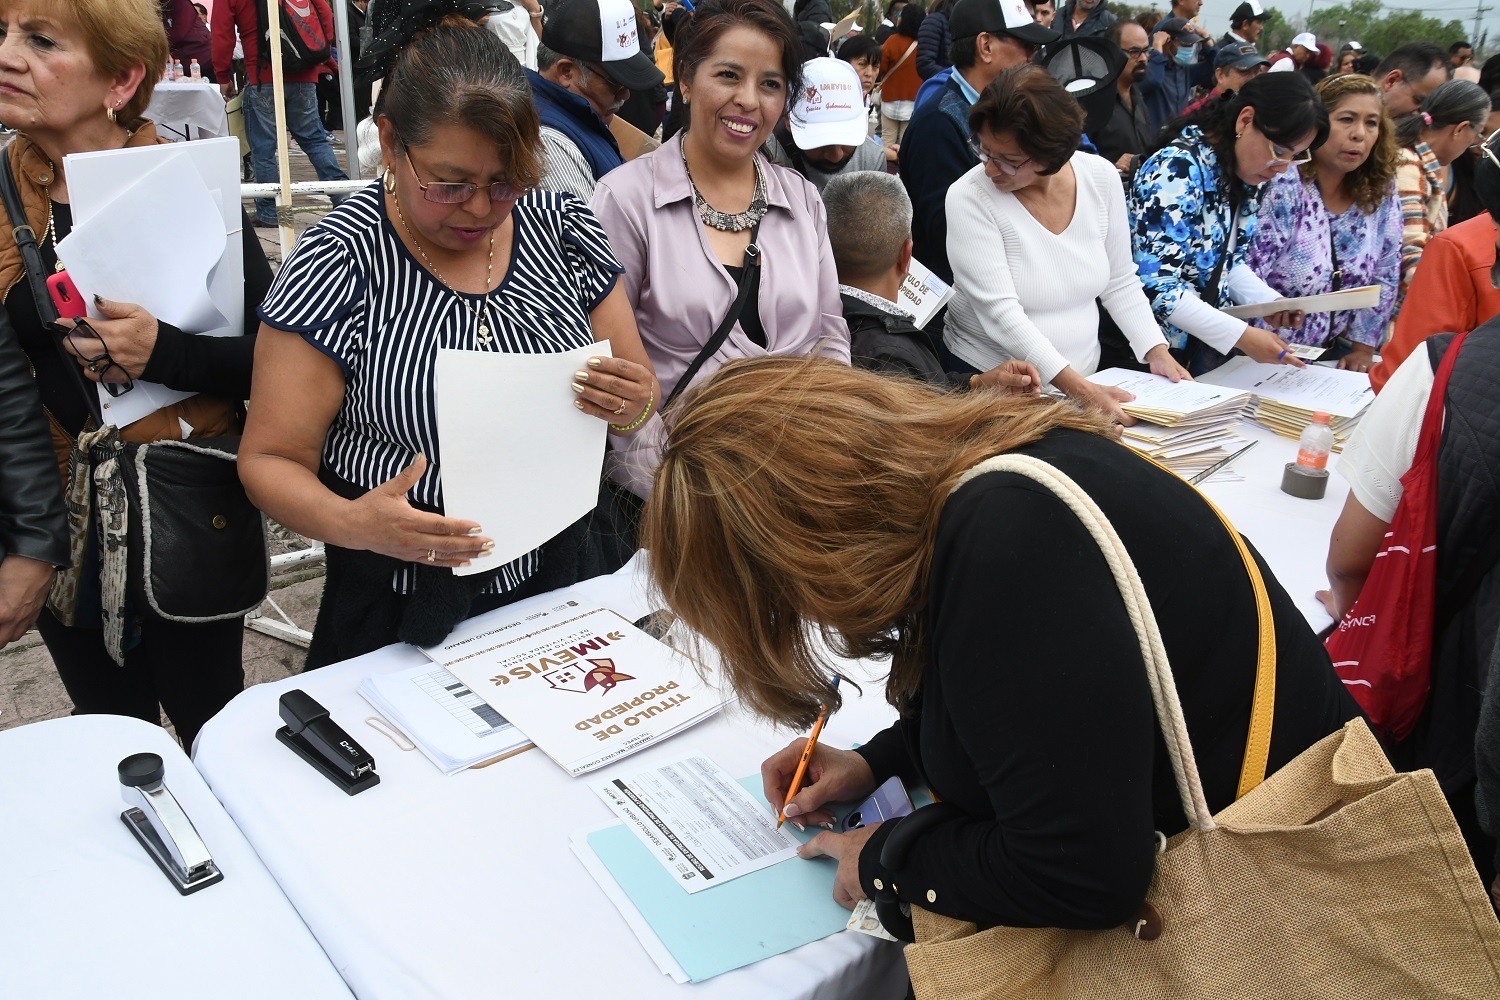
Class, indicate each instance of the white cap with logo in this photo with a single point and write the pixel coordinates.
(830, 111)
(1307, 40)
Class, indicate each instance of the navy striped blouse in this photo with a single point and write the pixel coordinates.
(352, 290)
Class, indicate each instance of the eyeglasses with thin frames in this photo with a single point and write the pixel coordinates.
(447, 193)
(1006, 167)
(1487, 147)
(100, 364)
(1282, 156)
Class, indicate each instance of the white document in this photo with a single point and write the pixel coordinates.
(1363, 297)
(1156, 392)
(124, 252)
(923, 293)
(516, 455)
(1339, 393)
(585, 684)
(97, 179)
(452, 726)
(696, 820)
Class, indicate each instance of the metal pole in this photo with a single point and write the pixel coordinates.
(346, 86)
(283, 155)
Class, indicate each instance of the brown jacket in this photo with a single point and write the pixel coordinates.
(209, 416)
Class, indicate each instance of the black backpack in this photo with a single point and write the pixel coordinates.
(304, 44)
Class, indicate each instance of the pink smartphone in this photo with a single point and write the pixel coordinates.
(66, 296)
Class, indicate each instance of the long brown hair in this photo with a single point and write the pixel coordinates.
(1370, 182)
(799, 496)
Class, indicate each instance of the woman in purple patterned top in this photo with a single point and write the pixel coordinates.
(1336, 223)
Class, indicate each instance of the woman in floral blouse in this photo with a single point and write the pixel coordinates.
(1336, 222)
(1194, 203)
(1433, 136)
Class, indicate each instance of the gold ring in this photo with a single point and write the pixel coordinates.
(94, 368)
(432, 555)
(621, 410)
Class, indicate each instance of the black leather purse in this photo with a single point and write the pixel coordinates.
(196, 546)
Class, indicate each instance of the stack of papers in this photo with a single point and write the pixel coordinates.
(1286, 398)
(1174, 404)
(452, 726)
(1189, 427)
(700, 873)
(583, 683)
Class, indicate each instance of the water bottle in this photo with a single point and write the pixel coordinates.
(1316, 442)
(195, 71)
(177, 69)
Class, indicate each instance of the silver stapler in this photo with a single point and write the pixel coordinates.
(163, 829)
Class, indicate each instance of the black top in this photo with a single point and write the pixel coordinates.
(216, 365)
(1128, 129)
(1035, 717)
(750, 314)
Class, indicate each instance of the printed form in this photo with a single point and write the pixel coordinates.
(702, 826)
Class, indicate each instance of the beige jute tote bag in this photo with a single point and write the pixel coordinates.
(1336, 877)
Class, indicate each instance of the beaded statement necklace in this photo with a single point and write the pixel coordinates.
(726, 222)
(481, 313)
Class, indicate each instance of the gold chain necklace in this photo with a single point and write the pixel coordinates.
(482, 332)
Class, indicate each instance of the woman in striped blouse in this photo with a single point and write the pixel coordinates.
(450, 251)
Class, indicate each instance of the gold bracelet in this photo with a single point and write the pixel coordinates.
(627, 428)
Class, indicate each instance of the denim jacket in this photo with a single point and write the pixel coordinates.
(1181, 204)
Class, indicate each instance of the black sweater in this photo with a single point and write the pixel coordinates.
(1035, 717)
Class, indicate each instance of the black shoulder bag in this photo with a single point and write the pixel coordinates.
(195, 545)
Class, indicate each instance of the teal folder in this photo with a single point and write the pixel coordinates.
(732, 925)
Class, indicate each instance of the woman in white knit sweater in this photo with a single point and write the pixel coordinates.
(1036, 233)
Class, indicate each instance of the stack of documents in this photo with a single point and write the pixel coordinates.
(700, 873)
(583, 683)
(1286, 398)
(452, 726)
(1189, 427)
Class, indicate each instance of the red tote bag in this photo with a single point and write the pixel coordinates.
(1382, 650)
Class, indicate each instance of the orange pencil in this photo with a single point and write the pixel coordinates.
(807, 752)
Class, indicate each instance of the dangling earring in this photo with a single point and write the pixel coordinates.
(390, 181)
(110, 114)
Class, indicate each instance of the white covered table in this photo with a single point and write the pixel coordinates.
(1291, 534)
(184, 109)
(85, 913)
(429, 886)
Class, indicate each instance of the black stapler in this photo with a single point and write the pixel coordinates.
(317, 739)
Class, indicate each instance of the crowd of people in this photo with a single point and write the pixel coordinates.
(792, 448)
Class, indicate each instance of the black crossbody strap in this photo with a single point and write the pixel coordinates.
(1236, 197)
(36, 272)
(31, 254)
(752, 258)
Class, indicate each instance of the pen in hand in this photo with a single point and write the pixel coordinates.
(807, 752)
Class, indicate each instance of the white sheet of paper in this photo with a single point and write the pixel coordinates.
(923, 293)
(1363, 297)
(517, 456)
(129, 252)
(696, 820)
(1157, 392)
(96, 179)
(1340, 393)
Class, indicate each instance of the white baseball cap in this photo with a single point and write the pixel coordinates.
(830, 111)
(1307, 40)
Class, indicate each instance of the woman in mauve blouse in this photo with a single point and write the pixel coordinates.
(672, 214)
(1336, 223)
